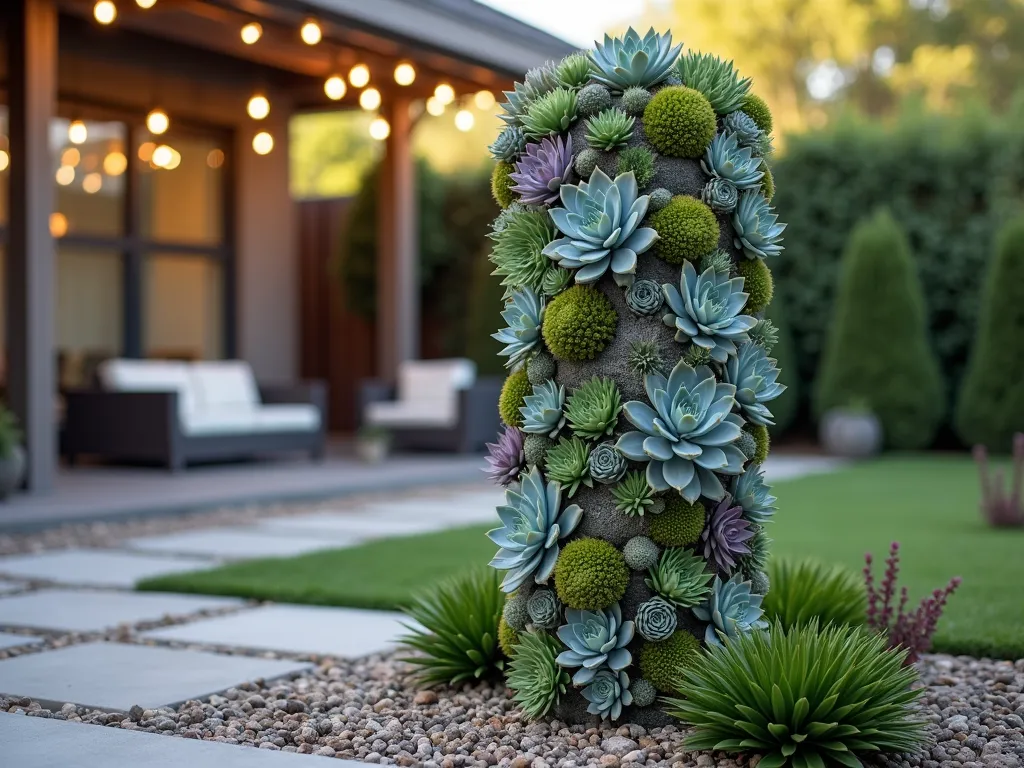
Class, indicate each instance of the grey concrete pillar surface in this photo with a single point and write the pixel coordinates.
(398, 310)
(32, 91)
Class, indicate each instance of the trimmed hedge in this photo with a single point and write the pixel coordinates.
(991, 404)
(784, 407)
(877, 353)
(950, 181)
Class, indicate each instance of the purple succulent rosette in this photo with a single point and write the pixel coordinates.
(726, 534)
(542, 170)
(505, 457)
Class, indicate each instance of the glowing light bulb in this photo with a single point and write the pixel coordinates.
(484, 100)
(380, 129)
(175, 160)
(58, 224)
(104, 12)
(251, 33)
(70, 156)
(258, 107)
(359, 75)
(405, 73)
(77, 132)
(435, 107)
(115, 163)
(65, 175)
(146, 149)
(444, 93)
(262, 143)
(5, 160)
(161, 156)
(369, 99)
(464, 120)
(215, 158)
(310, 33)
(335, 88)
(92, 183)
(157, 121)
(145, 4)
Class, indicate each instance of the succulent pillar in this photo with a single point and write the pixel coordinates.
(637, 514)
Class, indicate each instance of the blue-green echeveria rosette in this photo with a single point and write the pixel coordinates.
(656, 619)
(524, 312)
(743, 126)
(754, 496)
(732, 609)
(531, 526)
(705, 309)
(726, 159)
(543, 410)
(544, 609)
(600, 222)
(608, 693)
(644, 297)
(623, 62)
(720, 195)
(607, 465)
(595, 640)
(689, 435)
(757, 227)
(756, 380)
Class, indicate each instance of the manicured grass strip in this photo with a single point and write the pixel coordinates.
(927, 503)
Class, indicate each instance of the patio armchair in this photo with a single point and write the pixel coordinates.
(173, 413)
(438, 405)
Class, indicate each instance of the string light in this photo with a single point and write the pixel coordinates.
(115, 163)
(251, 33)
(379, 129)
(162, 156)
(310, 32)
(405, 73)
(262, 143)
(58, 224)
(174, 162)
(92, 183)
(70, 156)
(146, 150)
(65, 175)
(435, 107)
(484, 100)
(157, 122)
(215, 158)
(359, 75)
(444, 93)
(335, 88)
(464, 120)
(5, 160)
(104, 12)
(145, 4)
(369, 99)
(77, 132)
(258, 107)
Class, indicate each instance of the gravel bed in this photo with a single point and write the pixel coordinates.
(364, 709)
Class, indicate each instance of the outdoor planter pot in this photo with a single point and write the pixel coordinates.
(851, 433)
(373, 446)
(12, 471)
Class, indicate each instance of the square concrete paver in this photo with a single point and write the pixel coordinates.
(9, 640)
(38, 742)
(344, 632)
(65, 610)
(232, 543)
(116, 676)
(95, 567)
(350, 529)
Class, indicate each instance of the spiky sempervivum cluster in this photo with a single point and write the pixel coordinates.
(635, 247)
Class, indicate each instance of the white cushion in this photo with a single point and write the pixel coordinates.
(428, 394)
(286, 417)
(222, 421)
(123, 375)
(228, 420)
(401, 414)
(220, 383)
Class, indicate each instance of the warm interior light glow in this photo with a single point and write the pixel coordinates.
(444, 93)
(311, 33)
(405, 73)
(359, 75)
(464, 120)
(58, 224)
(379, 129)
(104, 12)
(77, 132)
(251, 32)
(145, 4)
(369, 99)
(65, 175)
(157, 121)
(215, 158)
(70, 156)
(262, 143)
(483, 99)
(5, 159)
(146, 151)
(175, 160)
(161, 156)
(258, 107)
(335, 88)
(92, 183)
(115, 163)
(435, 107)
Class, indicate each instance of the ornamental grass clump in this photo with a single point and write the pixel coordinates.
(806, 591)
(640, 384)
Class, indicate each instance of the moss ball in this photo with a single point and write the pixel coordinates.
(767, 182)
(662, 663)
(747, 444)
(643, 693)
(760, 434)
(640, 161)
(579, 323)
(535, 448)
(508, 638)
(541, 368)
(680, 122)
(501, 184)
(586, 162)
(641, 553)
(687, 230)
(635, 100)
(592, 99)
(514, 613)
(758, 110)
(590, 574)
(759, 583)
(660, 197)
(680, 524)
(757, 281)
(516, 387)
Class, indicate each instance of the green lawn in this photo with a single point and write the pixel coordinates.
(928, 504)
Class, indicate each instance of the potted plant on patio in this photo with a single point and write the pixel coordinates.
(853, 431)
(12, 455)
(373, 444)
